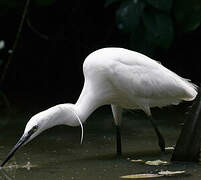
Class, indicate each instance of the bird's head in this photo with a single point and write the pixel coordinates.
(36, 125)
(57, 115)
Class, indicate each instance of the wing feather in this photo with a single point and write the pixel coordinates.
(150, 80)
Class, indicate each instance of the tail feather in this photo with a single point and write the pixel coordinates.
(191, 90)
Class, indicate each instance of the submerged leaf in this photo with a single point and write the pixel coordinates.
(28, 166)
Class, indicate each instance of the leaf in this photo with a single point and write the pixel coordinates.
(141, 176)
(150, 175)
(187, 14)
(171, 148)
(171, 173)
(28, 166)
(1, 62)
(110, 2)
(154, 32)
(163, 5)
(2, 44)
(141, 41)
(44, 2)
(137, 160)
(160, 27)
(157, 163)
(7, 6)
(129, 14)
(10, 3)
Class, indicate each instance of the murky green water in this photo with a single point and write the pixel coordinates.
(58, 155)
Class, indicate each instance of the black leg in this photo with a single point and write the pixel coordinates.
(161, 141)
(118, 136)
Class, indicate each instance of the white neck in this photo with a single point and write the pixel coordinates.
(87, 103)
(72, 114)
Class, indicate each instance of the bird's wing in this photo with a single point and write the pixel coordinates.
(147, 79)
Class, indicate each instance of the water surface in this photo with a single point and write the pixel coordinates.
(57, 154)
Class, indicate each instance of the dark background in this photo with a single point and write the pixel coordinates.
(51, 70)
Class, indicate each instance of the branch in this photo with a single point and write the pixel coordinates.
(12, 51)
(36, 31)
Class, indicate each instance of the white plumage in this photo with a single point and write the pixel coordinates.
(132, 80)
(122, 78)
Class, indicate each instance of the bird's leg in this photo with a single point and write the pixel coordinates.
(161, 141)
(117, 113)
(118, 140)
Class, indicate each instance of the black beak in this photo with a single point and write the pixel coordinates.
(22, 140)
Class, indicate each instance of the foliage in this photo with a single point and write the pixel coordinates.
(2, 45)
(152, 24)
(44, 2)
(6, 5)
(187, 14)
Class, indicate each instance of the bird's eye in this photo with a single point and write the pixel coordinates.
(35, 128)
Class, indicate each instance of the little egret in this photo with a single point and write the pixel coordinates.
(122, 78)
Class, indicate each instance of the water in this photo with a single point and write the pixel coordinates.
(58, 155)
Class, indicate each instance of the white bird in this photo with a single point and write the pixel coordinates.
(121, 78)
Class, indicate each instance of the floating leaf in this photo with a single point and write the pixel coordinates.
(141, 176)
(150, 175)
(137, 160)
(157, 163)
(169, 148)
(171, 173)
